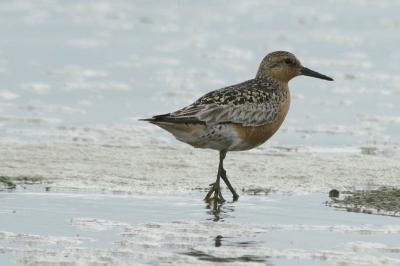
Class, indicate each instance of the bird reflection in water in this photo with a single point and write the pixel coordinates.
(219, 242)
(219, 211)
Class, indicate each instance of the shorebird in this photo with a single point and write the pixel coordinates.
(239, 117)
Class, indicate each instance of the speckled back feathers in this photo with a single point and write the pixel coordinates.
(257, 91)
(251, 103)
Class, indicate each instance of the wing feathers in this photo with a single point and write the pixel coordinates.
(251, 103)
(246, 114)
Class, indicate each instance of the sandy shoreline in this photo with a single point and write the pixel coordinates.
(167, 169)
(138, 206)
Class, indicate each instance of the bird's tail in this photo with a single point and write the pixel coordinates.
(156, 118)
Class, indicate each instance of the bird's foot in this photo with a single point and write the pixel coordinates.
(216, 189)
(225, 178)
(235, 197)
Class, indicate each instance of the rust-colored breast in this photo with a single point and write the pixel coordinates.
(255, 136)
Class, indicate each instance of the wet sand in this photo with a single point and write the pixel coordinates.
(93, 204)
(173, 168)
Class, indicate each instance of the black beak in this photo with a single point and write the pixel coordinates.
(308, 72)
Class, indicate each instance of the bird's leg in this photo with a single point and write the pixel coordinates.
(216, 188)
(225, 178)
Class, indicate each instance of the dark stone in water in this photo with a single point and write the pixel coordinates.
(334, 193)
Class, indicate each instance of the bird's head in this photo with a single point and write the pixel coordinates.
(283, 66)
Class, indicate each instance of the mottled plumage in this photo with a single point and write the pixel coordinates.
(251, 103)
(238, 117)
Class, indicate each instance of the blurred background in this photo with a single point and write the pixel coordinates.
(85, 71)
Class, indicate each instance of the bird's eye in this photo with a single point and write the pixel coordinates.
(288, 61)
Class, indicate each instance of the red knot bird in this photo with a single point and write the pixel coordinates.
(239, 117)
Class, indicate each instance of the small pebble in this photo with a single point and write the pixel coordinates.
(334, 193)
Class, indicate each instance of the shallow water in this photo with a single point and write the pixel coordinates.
(90, 227)
(84, 72)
